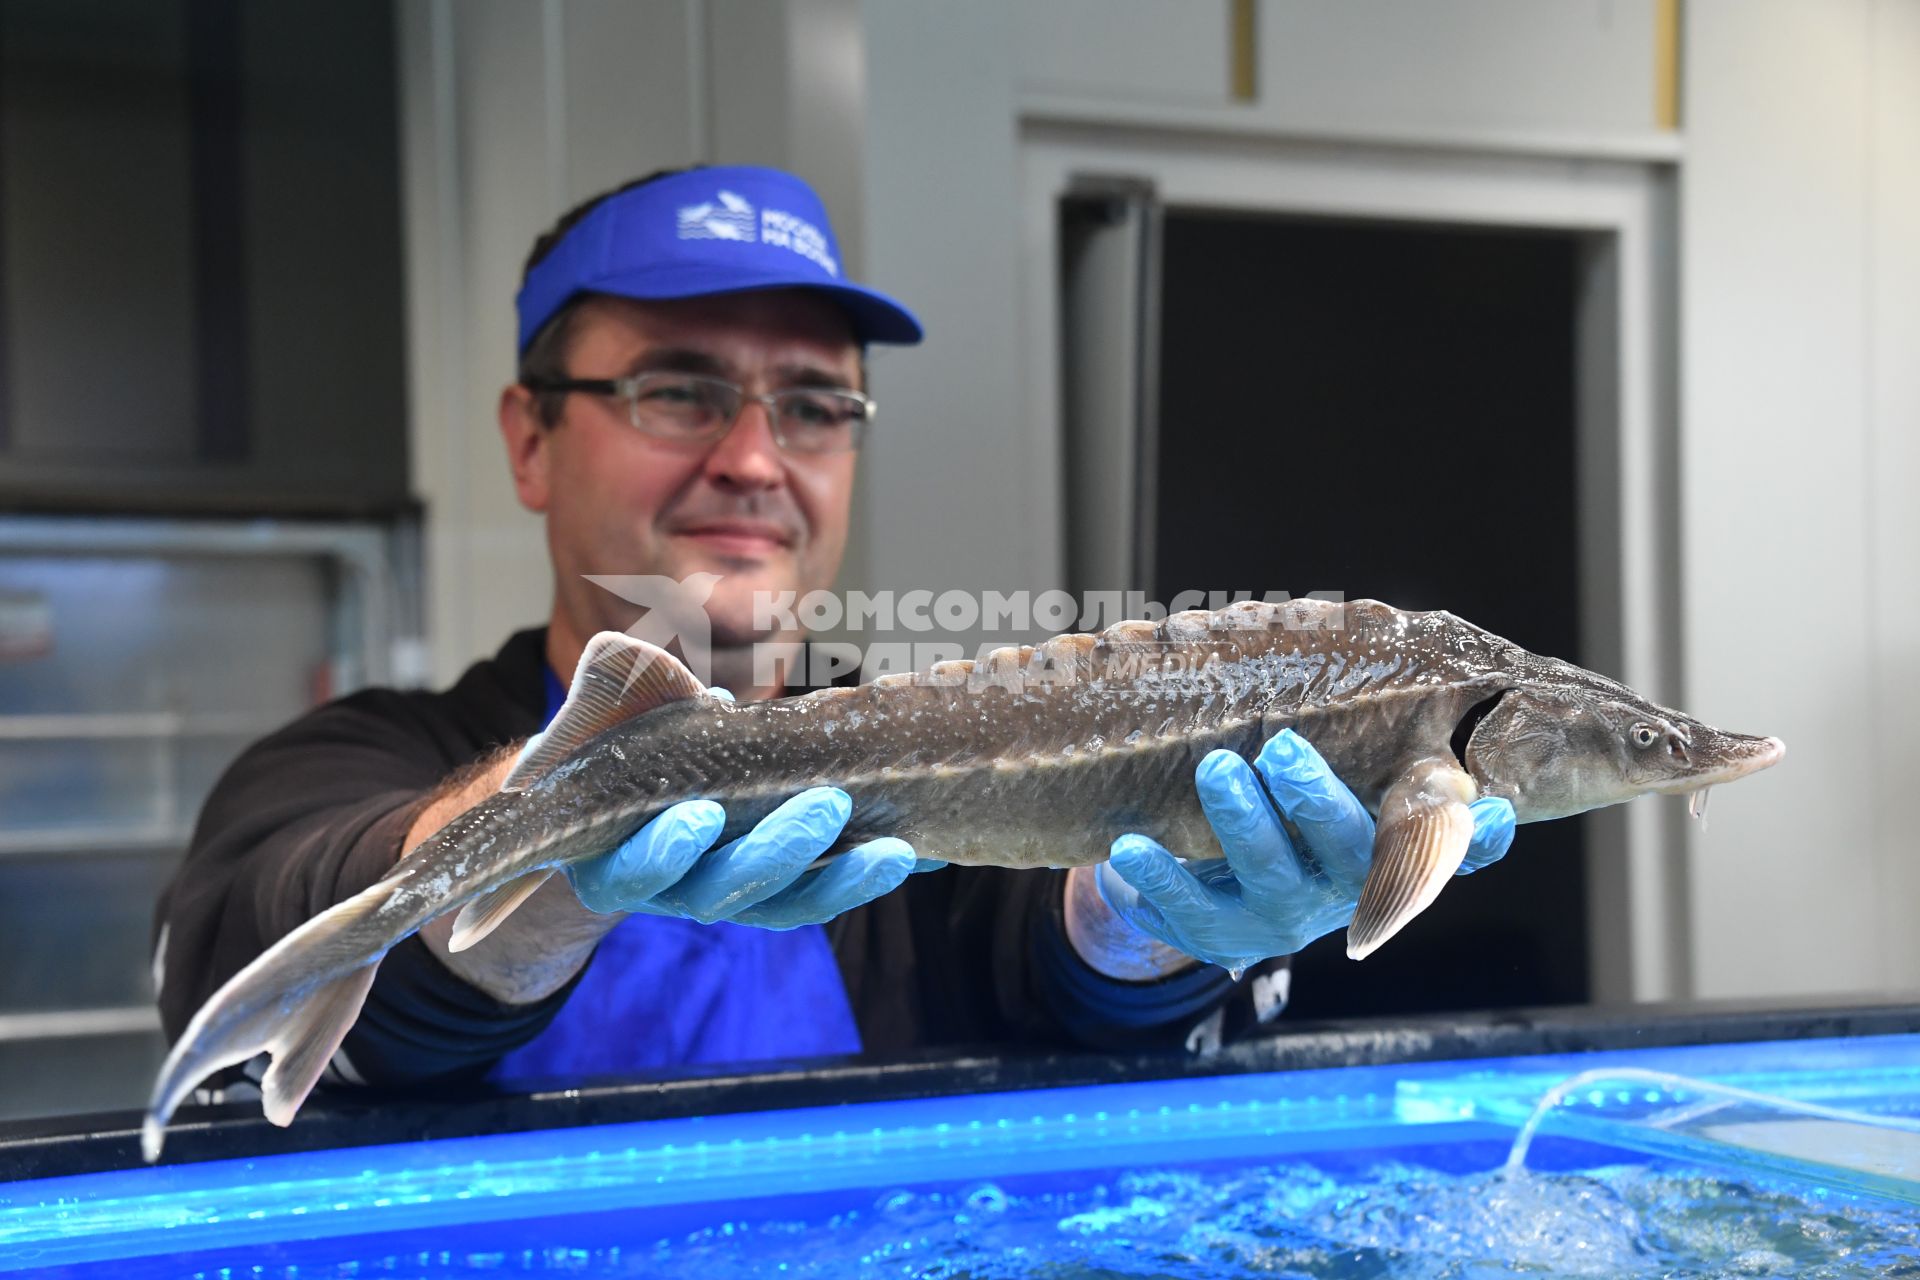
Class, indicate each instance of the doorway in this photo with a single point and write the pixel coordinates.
(1387, 410)
(1431, 380)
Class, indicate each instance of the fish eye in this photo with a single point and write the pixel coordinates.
(1644, 735)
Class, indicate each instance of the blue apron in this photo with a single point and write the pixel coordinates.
(664, 992)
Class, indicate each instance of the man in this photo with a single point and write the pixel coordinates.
(690, 405)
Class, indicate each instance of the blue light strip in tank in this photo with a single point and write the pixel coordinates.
(714, 1158)
(196, 1207)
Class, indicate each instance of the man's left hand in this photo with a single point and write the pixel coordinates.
(1270, 896)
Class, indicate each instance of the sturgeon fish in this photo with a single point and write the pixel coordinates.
(1036, 756)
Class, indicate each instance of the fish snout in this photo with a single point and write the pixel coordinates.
(1717, 757)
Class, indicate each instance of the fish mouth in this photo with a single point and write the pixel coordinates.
(1736, 760)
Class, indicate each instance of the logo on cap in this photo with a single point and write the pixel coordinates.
(729, 216)
(725, 217)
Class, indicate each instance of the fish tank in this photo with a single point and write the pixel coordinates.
(1789, 1145)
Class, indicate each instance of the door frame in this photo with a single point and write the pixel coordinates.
(1626, 412)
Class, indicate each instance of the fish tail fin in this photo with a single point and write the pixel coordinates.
(274, 1007)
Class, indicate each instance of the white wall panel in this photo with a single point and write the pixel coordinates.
(512, 112)
(1893, 390)
(951, 499)
(475, 199)
(632, 90)
(1137, 50)
(787, 84)
(1575, 66)
(1778, 626)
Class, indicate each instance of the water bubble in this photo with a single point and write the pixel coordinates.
(984, 1197)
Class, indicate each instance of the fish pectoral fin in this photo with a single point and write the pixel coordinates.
(308, 1040)
(483, 915)
(618, 678)
(1424, 830)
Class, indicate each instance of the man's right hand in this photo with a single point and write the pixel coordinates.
(759, 879)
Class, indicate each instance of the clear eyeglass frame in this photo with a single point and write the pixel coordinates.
(710, 407)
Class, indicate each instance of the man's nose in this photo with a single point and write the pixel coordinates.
(747, 457)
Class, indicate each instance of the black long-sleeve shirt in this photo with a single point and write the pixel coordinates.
(318, 811)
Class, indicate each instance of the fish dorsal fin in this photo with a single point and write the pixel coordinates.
(619, 678)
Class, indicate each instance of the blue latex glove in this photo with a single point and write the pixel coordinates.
(759, 879)
(1270, 896)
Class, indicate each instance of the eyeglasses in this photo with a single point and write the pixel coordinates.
(690, 408)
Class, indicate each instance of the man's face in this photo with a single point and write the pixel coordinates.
(619, 501)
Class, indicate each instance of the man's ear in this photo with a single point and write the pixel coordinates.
(529, 449)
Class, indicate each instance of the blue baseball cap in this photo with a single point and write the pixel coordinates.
(726, 229)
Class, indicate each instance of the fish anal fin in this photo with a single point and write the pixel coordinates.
(483, 915)
(1424, 830)
(619, 677)
(308, 1040)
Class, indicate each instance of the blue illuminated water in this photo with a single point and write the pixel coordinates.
(1362, 1216)
(1390, 1171)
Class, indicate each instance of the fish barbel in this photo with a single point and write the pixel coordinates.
(1035, 756)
